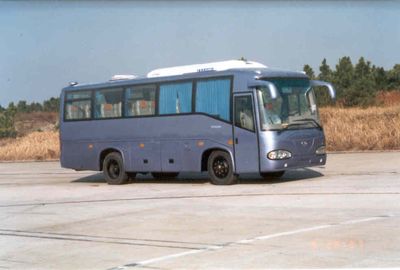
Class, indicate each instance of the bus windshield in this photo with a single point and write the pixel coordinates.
(294, 108)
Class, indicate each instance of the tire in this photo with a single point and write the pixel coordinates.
(269, 175)
(164, 175)
(113, 169)
(220, 169)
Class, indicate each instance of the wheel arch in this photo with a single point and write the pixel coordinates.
(206, 154)
(103, 153)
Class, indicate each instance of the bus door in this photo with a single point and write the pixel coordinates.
(245, 134)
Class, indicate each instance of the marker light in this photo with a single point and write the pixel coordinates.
(279, 154)
(321, 150)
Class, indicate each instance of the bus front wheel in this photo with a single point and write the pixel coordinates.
(220, 168)
(113, 169)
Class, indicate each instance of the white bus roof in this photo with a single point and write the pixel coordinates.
(213, 66)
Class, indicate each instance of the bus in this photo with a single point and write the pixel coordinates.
(225, 118)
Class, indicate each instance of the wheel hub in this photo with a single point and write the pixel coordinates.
(220, 167)
(114, 169)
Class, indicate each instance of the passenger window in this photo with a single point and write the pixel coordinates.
(213, 98)
(78, 105)
(175, 98)
(244, 112)
(140, 100)
(108, 103)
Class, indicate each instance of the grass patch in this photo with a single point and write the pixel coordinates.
(350, 129)
(34, 146)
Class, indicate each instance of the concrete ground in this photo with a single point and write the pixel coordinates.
(343, 215)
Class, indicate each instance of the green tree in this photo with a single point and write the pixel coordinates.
(361, 93)
(362, 90)
(22, 106)
(393, 78)
(343, 77)
(7, 122)
(11, 107)
(362, 69)
(51, 105)
(309, 71)
(380, 77)
(35, 107)
(325, 74)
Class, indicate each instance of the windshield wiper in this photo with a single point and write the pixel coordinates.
(287, 125)
(304, 120)
(309, 120)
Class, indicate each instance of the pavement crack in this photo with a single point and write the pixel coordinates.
(202, 196)
(107, 237)
(87, 239)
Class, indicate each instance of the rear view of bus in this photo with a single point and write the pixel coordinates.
(228, 118)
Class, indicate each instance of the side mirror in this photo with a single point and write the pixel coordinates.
(330, 87)
(271, 87)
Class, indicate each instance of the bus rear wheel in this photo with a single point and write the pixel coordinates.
(164, 175)
(220, 169)
(269, 175)
(113, 169)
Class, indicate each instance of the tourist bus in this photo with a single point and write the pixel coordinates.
(227, 118)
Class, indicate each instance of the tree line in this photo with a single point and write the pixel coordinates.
(356, 85)
(7, 115)
(50, 105)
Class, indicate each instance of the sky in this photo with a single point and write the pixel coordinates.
(46, 44)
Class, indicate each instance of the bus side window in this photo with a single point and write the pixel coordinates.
(175, 98)
(108, 103)
(140, 100)
(213, 97)
(78, 105)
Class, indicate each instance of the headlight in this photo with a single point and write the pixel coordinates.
(279, 154)
(320, 150)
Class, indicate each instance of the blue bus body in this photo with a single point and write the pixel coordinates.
(183, 142)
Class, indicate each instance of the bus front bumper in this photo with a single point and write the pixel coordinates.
(294, 162)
